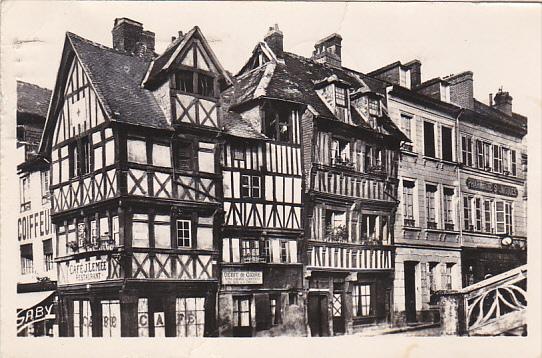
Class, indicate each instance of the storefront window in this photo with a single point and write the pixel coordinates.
(361, 300)
(143, 317)
(190, 316)
(82, 319)
(111, 318)
(241, 311)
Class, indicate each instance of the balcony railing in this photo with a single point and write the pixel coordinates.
(449, 226)
(410, 222)
(431, 225)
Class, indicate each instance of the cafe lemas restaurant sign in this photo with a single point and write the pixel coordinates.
(87, 271)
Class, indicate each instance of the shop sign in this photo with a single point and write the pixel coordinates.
(42, 311)
(87, 271)
(488, 187)
(242, 277)
(34, 225)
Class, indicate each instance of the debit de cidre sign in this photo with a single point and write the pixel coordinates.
(242, 277)
(87, 271)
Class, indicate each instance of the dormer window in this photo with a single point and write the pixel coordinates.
(374, 107)
(444, 93)
(277, 123)
(340, 96)
(185, 80)
(404, 78)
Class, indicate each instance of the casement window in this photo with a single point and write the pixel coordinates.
(497, 159)
(430, 204)
(48, 260)
(467, 213)
(190, 316)
(143, 317)
(24, 193)
(404, 78)
(115, 235)
(241, 312)
(487, 156)
(488, 224)
(335, 219)
(277, 121)
(184, 233)
(184, 81)
(505, 152)
(373, 159)
(79, 157)
(513, 163)
(137, 151)
(250, 186)
(429, 139)
(500, 217)
(444, 93)
(82, 318)
(466, 150)
(162, 231)
(239, 154)
(406, 126)
(371, 229)
(93, 232)
(140, 230)
(284, 252)
(478, 214)
(205, 85)
(111, 318)
(508, 217)
(479, 154)
(340, 96)
(185, 156)
(362, 305)
(408, 203)
(340, 151)
(44, 179)
(374, 107)
(250, 251)
(446, 143)
(448, 208)
(27, 259)
(161, 155)
(266, 251)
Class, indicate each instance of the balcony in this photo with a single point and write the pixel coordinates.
(377, 170)
(449, 226)
(343, 163)
(432, 225)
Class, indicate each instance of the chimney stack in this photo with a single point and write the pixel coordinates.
(328, 50)
(503, 102)
(129, 36)
(415, 67)
(462, 89)
(275, 40)
(490, 100)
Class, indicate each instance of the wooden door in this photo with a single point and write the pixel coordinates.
(337, 312)
(318, 314)
(410, 291)
(242, 319)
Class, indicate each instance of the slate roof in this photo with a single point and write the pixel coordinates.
(33, 99)
(490, 117)
(236, 126)
(295, 79)
(116, 77)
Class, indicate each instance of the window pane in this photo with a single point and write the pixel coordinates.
(161, 155)
(140, 234)
(137, 151)
(184, 81)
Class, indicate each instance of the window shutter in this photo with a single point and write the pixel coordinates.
(226, 250)
(235, 250)
(263, 311)
(292, 247)
(275, 249)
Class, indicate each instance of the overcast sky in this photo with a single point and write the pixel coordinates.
(500, 43)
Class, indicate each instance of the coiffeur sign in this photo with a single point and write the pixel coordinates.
(42, 311)
(87, 271)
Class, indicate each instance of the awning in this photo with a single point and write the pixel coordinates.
(31, 299)
(34, 307)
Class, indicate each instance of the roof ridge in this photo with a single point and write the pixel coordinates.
(100, 46)
(34, 85)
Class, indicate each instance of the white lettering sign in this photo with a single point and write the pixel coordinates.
(242, 277)
(88, 271)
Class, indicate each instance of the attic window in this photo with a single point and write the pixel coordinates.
(340, 96)
(374, 107)
(185, 81)
(277, 123)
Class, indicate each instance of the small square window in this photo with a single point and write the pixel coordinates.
(250, 186)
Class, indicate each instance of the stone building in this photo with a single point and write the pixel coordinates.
(36, 282)
(427, 232)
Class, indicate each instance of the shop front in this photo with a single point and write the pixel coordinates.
(481, 263)
(36, 314)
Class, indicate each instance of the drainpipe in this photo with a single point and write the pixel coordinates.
(460, 204)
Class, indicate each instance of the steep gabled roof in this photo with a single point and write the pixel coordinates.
(115, 77)
(162, 63)
(32, 99)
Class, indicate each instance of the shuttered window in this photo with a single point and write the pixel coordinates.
(446, 134)
(430, 203)
(429, 139)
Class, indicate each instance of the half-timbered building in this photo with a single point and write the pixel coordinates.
(132, 139)
(261, 281)
(347, 167)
